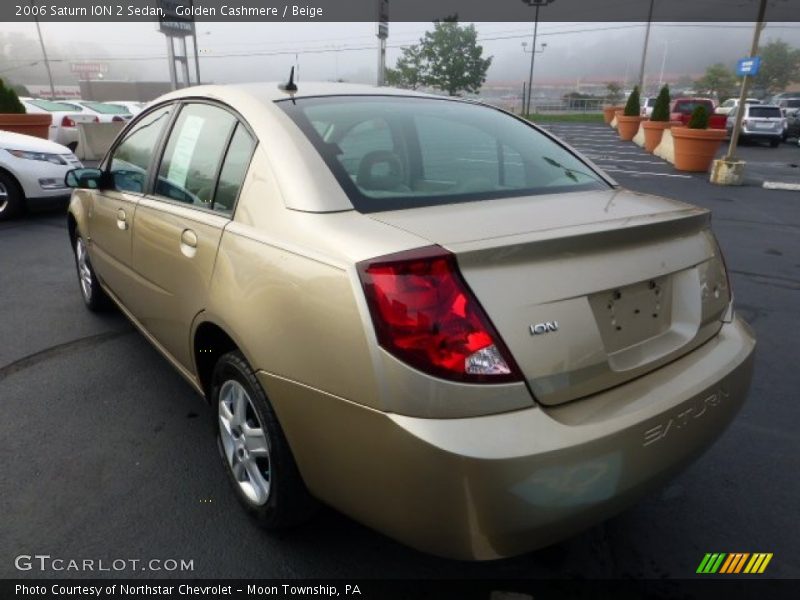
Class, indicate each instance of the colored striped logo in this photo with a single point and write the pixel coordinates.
(734, 563)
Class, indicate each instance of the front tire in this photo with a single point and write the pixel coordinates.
(93, 295)
(253, 448)
(12, 200)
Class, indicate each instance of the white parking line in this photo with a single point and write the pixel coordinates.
(647, 173)
(600, 150)
(627, 160)
(781, 185)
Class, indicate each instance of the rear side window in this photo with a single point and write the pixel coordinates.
(401, 152)
(231, 177)
(765, 112)
(194, 153)
(130, 160)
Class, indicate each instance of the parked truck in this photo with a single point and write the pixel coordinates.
(682, 109)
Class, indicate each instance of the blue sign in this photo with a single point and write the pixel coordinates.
(748, 66)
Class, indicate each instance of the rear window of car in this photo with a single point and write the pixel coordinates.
(49, 105)
(106, 109)
(688, 106)
(765, 112)
(392, 152)
(792, 103)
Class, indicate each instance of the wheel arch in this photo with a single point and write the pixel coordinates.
(209, 342)
(14, 180)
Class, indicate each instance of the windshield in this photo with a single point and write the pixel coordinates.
(401, 152)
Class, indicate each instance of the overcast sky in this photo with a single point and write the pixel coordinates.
(231, 52)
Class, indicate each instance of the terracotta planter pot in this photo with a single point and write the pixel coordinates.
(36, 125)
(608, 113)
(695, 149)
(628, 126)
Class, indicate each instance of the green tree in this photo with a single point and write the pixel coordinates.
(452, 58)
(9, 102)
(718, 81)
(780, 66)
(661, 109)
(409, 72)
(699, 118)
(20, 89)
(633, 106)
(613, 92)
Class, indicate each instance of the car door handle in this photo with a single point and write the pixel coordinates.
(122, 219)
(188, 243)
(189, 238)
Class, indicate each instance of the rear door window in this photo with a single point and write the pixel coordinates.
(234, 169)
(193, 155)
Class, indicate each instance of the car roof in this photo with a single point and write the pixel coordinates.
(270, 91)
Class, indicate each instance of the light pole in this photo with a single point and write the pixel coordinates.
(531, 52)
(663, 64)
(644, 49)
(46, 60)
(537, 4)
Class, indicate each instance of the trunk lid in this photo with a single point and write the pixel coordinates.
(588, 289)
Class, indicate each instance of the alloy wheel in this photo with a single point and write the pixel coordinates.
(84, 271)
(244, 442)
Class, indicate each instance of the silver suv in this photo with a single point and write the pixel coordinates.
(759, 122)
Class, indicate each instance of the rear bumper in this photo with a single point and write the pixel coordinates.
(496, 486)
(761, 135)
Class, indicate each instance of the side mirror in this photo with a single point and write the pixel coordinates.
(84, 178)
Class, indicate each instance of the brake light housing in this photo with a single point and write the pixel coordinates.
(67, 122)
(425, 315)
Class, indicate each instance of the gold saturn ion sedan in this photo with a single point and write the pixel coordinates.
(424, 312)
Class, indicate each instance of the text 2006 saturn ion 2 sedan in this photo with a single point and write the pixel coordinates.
(424, 312)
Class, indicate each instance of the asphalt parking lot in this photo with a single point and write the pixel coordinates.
(108, 454)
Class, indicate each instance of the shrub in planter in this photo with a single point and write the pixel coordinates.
(13, 117)
(696, 145)
(628, 121)
(659, 121)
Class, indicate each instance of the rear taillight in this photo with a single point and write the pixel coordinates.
(117, 119)
(67, 122)
(425, 315)
(96, 120)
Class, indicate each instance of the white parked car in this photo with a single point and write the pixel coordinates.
(727, 107)
(104, 111)
(32, 171)
(64, 124)
(647, 106)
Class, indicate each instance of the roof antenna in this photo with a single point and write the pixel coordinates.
(290, 85)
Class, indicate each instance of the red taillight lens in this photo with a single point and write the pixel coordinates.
(67, 122)
(425, 315)
(97, 119)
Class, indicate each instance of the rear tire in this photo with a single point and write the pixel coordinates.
(93, 295)
(254, 451)
(12, 200)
